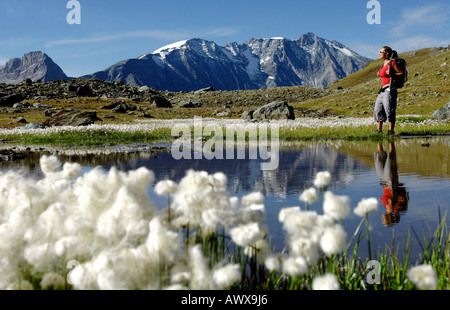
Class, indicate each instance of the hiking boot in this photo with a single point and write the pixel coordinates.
(391, 133)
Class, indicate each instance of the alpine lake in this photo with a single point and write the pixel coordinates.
(410, 177)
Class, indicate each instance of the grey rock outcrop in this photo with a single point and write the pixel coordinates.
(277, 110)
(71, 118)
(443, 113)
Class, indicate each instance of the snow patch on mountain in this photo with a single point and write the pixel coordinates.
(163, 51)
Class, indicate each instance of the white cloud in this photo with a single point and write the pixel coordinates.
(419, 42)
(366, 49)
(167, 35)
(3, 61)
(430, 16)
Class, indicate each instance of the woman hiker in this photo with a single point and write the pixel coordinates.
(386, 104)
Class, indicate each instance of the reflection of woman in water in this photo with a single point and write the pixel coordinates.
(395, 198)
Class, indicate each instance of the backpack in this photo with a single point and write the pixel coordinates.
(398, 81)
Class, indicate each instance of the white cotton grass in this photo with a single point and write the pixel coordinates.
(366, 206)
(202, 196)
(333, 240)
(165, 187)
(309, 195)
(338, 207)
(204, 278)
(322, 179)
(295, 266)
(424, 276)
(246, 235)
(309, 236)
(105, 220)
(327, 281)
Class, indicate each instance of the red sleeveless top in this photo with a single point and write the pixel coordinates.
(386, 79)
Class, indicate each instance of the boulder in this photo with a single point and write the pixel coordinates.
(204, 90)
(84, 91)
(120, 107)
(190, 104)
(160, 102)
(9, 101)
(72, 118)
(442, 114)
(276, 110)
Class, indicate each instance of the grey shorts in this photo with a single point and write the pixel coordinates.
(386, 105)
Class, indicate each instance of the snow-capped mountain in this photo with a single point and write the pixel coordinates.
(258, 63)
(34, 66)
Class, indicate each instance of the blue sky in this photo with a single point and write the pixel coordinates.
(113, 30)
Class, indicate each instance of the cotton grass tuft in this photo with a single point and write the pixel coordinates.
(423, 276)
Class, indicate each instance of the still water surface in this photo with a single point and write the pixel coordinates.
(409, 177)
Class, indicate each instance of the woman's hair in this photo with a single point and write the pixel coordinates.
(394, 55)
(388, 50)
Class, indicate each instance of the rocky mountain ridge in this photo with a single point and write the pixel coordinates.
(196, 63)
(258, 63)
(34, 66)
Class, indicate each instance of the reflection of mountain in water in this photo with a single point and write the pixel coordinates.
(296, 170)
(297, 166)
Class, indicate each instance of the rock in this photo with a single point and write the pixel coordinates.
(39, 105)
(223, 114)
(123, 108)
(72, 118)
(274, 111)
(160, 102)
(204, 90)
(120, 107)
(190, 104)
(143, 88)
(33, 126)
(21, 105)
(9, 101)
(49, 113)
(442, 114)
(145, 115)
(20, 120)
(247, 115)
(84, 91)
